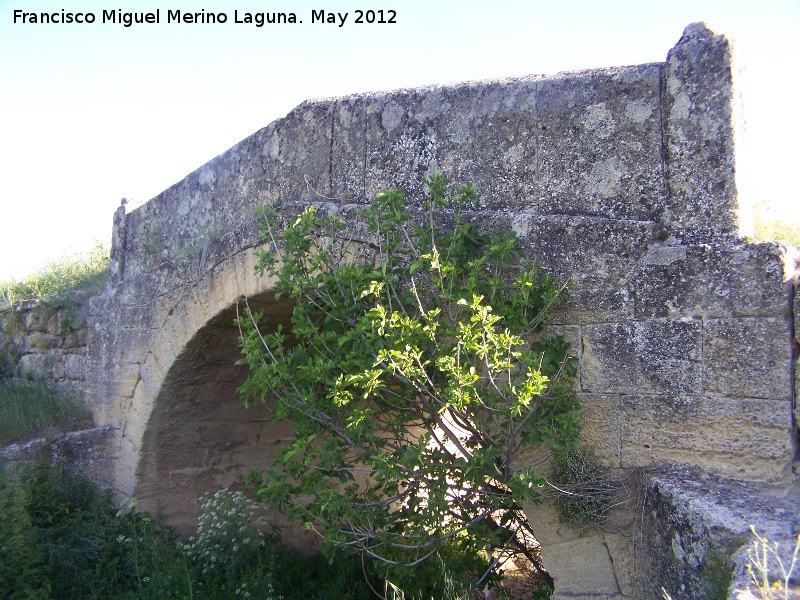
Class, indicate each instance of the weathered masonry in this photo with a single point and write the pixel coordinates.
(623, 180)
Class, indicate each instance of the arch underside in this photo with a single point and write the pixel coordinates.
(200, 438)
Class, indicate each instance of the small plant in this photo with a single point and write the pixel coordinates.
(70, 541)
(230, 535)
(198, 248)
(763, 558)
(9, 357)
(155, 243)
(22, 559)
(584, 492)
(68, 322)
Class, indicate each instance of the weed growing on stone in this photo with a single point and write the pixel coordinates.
(717, 574)
(768, 570)
(585, 492)
(37, 407)
(9, 354)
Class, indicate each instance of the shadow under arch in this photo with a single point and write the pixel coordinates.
(199, 436)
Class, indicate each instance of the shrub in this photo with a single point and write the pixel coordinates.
(416, 373)
(59, 539)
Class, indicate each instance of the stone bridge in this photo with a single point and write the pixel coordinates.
(625, 181)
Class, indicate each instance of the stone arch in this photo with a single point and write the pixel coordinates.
(186, 431)
(200, 437)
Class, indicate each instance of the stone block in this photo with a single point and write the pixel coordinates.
(475, 133)
(172, 339)
(591, 576)
(547, 527)
(137, 343)
(127, 377)
(76, 339)
(588, 306)
(150, 316)
(33, 366)
(621, 547)
(602, 426)
(348, 149)
(401, 141)
(748, 357)
(75, 366)
(55, 365)
(249, 175)
(589, 252)
(691, 525)
(98, 305)
(152, 372)
(700, 137)
(19, 339)
(711, 281)
(304, 152)
(135, 422)
(487, 134)
(36, 318)
(39, 341)
(753, 435)
(108, 407)
(600, 143)
(560, 545)
(53, 324)
(661, 356)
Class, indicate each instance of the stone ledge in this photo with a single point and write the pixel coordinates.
(91, 452)
(688, 536)
(693, 524)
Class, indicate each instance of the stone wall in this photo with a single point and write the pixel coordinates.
(624, 181)
(46, 339)
(91, 452)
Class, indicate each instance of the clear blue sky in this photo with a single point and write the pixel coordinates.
(92, 113)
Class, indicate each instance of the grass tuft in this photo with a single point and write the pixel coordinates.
(35, 407)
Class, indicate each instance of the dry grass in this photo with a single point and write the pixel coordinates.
(84, 271)
(774, 227)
